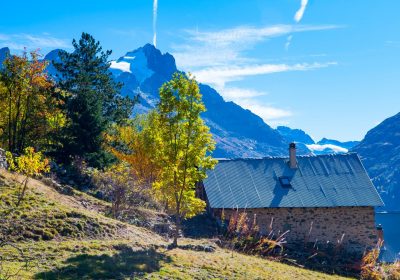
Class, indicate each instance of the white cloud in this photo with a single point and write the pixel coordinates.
(190, 57)
(390, 43)
(45, 41)
(218, 76)
(235, 93)
(267, 113)
(288, 41)
(248, 34)
(220, 57)
(224, 47)
(320, 148)
(249, 99)
(21, 41)
(4, 37)
(297, 18)
(300, 12)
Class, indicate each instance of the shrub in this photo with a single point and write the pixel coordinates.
(244, 235)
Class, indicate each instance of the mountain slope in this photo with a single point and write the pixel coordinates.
(296, 135)
(4, 53)
(380, 153)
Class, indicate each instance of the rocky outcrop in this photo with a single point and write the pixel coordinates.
(3, 161)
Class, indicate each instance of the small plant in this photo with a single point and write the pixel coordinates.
(232, 223)
(120, 187)
(369, 268)
(29, 164)
(393, 271)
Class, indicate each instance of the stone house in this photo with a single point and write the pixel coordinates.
(317, 198)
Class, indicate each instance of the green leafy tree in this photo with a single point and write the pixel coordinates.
(184, 144)
(94, 102)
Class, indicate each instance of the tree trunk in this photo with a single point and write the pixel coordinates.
(22, 193)
(10, 145)
(176, 232)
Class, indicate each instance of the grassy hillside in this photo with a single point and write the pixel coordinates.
(68, 237)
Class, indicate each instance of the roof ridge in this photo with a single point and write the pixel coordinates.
(286, 157)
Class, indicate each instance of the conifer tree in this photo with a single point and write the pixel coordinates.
(94, 101)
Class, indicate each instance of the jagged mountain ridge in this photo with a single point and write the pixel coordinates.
(380, 152)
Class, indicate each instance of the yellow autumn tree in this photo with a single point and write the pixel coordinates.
(134, 143)
(169, 148)
(30, 106)
(184, 145)
(29, 164)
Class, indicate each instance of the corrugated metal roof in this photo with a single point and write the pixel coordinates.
(319, 181)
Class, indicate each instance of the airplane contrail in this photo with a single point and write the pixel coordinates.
(299, 14)
(297, 18)
(155, 6)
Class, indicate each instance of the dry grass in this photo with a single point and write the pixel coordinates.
(225, 264)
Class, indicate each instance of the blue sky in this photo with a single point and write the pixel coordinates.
(330, 68)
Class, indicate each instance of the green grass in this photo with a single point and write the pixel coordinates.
(126, 259)
(65, 240)
(38, 218)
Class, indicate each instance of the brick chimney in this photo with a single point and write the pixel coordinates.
(292, 155)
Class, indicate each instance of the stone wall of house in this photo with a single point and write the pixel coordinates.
(355, 226)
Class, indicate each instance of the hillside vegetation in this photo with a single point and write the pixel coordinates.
(69, 237)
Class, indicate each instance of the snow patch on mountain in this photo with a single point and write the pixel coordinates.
(123, 66)
(138, 65)
(133, 62)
